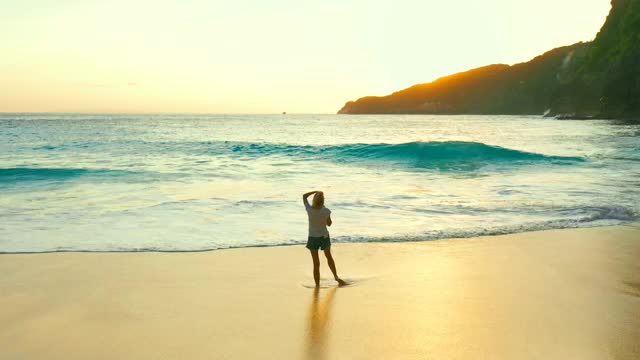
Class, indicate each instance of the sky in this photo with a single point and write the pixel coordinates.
(250, 56)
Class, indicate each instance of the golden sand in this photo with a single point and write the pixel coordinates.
(563, 294)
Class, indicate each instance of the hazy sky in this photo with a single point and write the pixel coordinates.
(254, 56)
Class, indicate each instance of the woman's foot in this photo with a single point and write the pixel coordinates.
(341, 282)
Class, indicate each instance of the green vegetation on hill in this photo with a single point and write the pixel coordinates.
(607, 82)
(601, 78)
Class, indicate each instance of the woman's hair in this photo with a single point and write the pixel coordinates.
(318, 200)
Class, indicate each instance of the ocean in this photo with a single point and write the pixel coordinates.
(104, 182)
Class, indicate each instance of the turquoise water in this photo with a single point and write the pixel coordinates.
(195, 182)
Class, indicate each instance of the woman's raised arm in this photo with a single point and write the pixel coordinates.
(306, 195)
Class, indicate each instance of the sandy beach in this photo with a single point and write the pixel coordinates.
(561, 294)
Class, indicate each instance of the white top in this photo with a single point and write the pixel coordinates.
(318, 221)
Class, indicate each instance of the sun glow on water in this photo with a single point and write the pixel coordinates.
(175, 183)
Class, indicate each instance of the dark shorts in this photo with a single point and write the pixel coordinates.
(315, 243)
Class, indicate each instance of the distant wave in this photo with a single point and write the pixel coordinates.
(14, 175)
(443, 155)
(445, 151)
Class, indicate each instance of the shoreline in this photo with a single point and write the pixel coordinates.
(570, 293)
(333, 241)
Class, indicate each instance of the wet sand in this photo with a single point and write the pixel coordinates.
(561, 294)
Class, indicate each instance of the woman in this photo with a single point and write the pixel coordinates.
(319, 219)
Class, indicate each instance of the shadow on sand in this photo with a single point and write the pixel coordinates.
(318, 324)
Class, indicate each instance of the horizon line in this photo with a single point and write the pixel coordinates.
(161, 113)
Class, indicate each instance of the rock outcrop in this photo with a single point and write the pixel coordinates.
(595, 79)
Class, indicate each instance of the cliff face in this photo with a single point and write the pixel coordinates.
(601, 78)
(606, 83)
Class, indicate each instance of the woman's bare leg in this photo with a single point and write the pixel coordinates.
(332, 266)
(316, 266)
